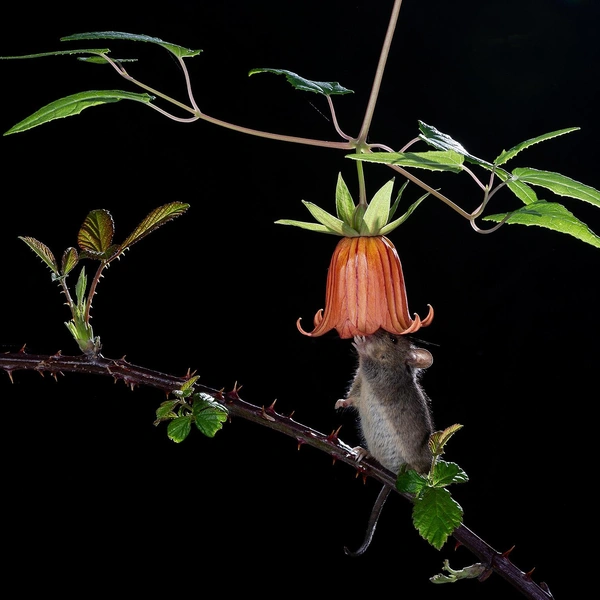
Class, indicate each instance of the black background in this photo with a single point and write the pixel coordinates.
(97, 498)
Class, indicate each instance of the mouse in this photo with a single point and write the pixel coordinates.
(394, 412)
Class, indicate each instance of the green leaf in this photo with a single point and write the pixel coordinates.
(559, 184)
(96, 234)
(73, 105)
(208, 414)
(42, 251)
(178, 429)
(166, 410)
(442, 141)
(410, 482)
(436, 515)
(434, 160)
(378, 210)
(508, 154)
(80, 288)
(445, 473)
(69, 260)
(327, 88)
(178, 51)
(155, 219)
(58, 53)
(344, 204)
(550, 215)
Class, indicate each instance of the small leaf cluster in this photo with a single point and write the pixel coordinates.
(95, 241)
(435, 513)
(191, 408)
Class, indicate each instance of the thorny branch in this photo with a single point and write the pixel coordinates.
(133, 375)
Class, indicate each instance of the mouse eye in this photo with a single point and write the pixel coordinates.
(393, 339)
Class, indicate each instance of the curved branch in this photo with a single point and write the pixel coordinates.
(134, 375)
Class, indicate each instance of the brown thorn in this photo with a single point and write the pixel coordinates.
(271, 408)
(333, 436)
(22, 350)
(265, 416)
(528, 574)
(9, 373)
(505, 554)
(300, 442)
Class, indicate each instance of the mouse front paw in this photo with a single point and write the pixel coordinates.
(360, 453)
(345, 403)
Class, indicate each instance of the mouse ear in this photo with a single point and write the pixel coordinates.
(420, 358)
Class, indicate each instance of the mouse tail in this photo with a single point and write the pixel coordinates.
(373, 519)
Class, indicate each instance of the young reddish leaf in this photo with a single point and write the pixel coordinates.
(159, 216)
(97, 232)
(69, 259)
(42, 251)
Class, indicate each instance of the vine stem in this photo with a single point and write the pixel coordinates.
(385, 51)
(135, 376)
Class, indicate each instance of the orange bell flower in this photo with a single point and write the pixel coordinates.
(365, 291)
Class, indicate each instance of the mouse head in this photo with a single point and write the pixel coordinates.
(389, 348)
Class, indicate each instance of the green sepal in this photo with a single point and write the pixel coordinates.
(344, 204)
(378, 211)
(393, 224)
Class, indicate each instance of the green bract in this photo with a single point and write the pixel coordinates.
(353, 220)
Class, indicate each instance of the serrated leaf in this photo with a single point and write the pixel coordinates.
(189, 384)
(410, 482)
(439, 439)
(73, 105)
(436, 515)
(70, 259)
(442, 141)
(559, 184)
(327, 88)
(177, 50)
(42, 251)
(444, 473)
(550, 215)
(378, 210)
(155, 219)
(178, 429)
(209, 414)
(96, 233)
(344, 204)
(508, 154)
(434, 160)
(165, 410)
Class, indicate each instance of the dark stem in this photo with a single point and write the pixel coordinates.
(133, 376)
